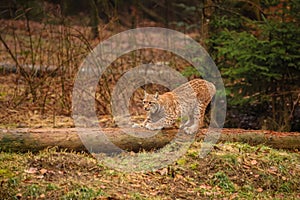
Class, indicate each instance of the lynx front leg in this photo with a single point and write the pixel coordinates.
(193, 128)
(145, 122)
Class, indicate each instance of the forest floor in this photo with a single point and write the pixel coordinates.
(229, 171)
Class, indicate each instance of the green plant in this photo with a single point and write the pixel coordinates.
(260, 60)
(137, 196)
(33, 191)
(82, 193)
(221, 179)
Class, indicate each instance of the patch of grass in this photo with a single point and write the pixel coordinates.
(221, 179)
(193, 153)
(181, 161)
(146, 161)
(33, 191)
(6, 173)
(231, 158)
(2, 94)
(278, 157)
(14, 181)
(82, 193)
(136, 196)
(194, 166)
(246, 189)
(8, 187)
(51, 186)
(285, 187)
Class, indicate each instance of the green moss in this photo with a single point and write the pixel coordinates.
(181, 161)
(231, 158)
(194, 166)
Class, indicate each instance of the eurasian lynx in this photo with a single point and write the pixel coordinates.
(186, 102)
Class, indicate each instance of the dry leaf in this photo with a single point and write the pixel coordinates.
(256, 175)
(233, 196)
(40, 177)
(60, 172)
(178, 177)
(246, 166)
(253, 162)
(206, 187)
(272, 170)
(163, 171)
(31, 170)
(19, 195)
(43, 171)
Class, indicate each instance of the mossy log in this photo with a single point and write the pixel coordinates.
(23, 140)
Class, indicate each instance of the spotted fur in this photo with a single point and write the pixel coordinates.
(187, 102)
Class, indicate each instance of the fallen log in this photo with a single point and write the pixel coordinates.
(23, 140)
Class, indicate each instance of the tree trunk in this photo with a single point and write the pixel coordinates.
(23, 140)
(206, 14)
(94, 19)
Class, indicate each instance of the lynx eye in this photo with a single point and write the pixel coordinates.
(150, 102)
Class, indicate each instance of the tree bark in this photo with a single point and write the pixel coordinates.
(94, 19)
(23, 140)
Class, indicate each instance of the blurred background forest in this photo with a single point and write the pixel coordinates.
(254, 43)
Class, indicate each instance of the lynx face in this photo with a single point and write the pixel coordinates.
(150, 102)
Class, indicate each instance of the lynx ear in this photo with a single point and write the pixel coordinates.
(156, 95)
(145, 94)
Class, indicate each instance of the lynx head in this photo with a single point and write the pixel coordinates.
(150, 102)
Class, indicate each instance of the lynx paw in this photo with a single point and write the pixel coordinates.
(191, 129)
(152, 127)
(135, 125)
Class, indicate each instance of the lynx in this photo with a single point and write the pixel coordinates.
(187, 102)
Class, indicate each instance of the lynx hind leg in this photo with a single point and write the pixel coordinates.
(185, 121)
(187, 116)
(201, 108)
